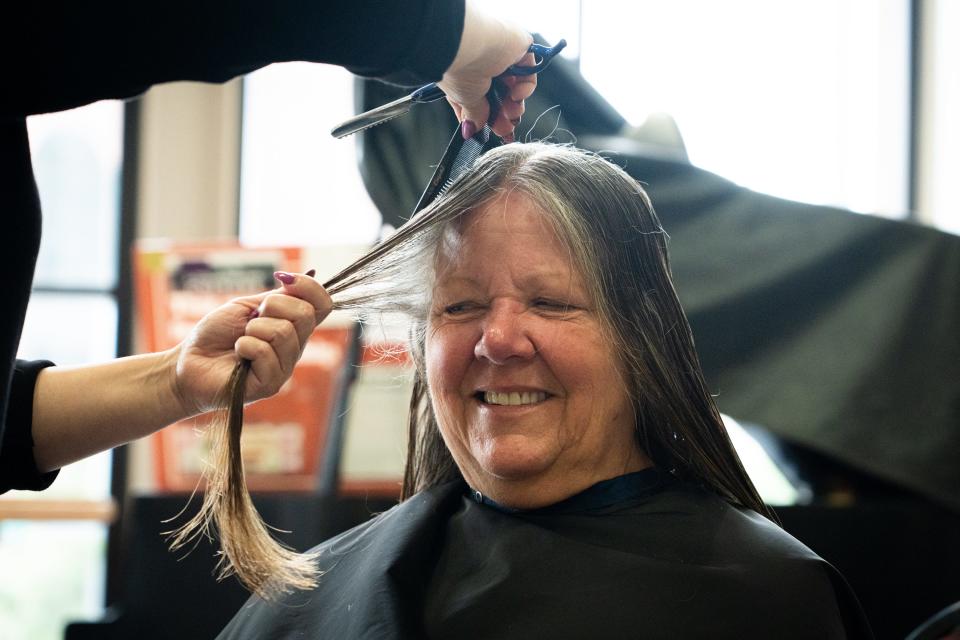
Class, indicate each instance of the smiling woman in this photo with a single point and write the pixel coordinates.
(568, 474)
(519, 363)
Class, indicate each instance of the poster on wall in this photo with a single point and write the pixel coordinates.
(283, 436)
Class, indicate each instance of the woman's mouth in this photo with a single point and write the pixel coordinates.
(511, 398)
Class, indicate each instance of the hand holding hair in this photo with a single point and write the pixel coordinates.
(81, 410)
(268, 329)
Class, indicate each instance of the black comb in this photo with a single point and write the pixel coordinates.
(461, 154)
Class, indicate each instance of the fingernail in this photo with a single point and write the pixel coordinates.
(254, 314)
(284, 277)
(468, 129)
(311, 273)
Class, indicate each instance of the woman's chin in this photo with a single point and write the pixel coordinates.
(515, 465)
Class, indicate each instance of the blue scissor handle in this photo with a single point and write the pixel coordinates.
(543, 54)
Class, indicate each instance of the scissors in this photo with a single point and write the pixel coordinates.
(431, 92)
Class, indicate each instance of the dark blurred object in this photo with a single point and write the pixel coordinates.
(944, 625)
(900, 555)
(837, 331)
(175, 595)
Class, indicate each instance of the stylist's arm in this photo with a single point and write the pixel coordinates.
(80, 411)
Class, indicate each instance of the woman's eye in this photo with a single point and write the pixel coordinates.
(552, 305)
(458, 308)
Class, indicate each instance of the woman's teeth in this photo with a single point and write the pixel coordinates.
(514, 398)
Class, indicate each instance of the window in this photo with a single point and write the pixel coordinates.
(807, 101)
(61, 564)
(299, 185)
(938, 197)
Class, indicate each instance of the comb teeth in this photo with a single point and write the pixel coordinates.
(458, 158)
(471, 150)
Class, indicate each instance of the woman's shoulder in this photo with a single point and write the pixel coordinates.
(734, 531)
(772, 573)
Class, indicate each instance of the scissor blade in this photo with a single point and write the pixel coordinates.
(373, 117)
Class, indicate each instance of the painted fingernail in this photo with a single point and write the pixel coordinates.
(254, 314)
(284, 277)
(311, 273)
(468, 129)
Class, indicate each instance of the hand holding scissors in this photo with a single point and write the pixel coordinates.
(513, 93)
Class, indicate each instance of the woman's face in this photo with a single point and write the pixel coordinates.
(527, 391)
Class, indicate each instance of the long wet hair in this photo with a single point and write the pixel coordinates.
(605, 219)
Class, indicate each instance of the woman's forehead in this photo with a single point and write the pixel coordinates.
(510, 234)
(511, 216)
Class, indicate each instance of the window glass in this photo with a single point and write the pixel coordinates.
(71, 329)
(940, 198)
(76, 158)
(60, 572)
(298, 184)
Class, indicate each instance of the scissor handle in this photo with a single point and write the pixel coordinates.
(427, 93)
(543, 54)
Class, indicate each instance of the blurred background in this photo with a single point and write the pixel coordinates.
(846, 103)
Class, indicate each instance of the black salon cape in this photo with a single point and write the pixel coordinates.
(62, 55)
(672, 562)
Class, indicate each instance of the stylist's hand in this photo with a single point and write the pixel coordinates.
(487, 47)
(270, 329)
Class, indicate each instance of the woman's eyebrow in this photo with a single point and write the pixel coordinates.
(555, 282)
(533, 276)
(448, 280)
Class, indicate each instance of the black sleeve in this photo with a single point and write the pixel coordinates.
(18, 469)
(65, 54)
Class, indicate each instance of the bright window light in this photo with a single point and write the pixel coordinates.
(298, 184)
(806, 101)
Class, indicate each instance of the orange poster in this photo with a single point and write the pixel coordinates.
(283, 436)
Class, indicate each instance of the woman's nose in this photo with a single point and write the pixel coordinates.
(505, 334)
